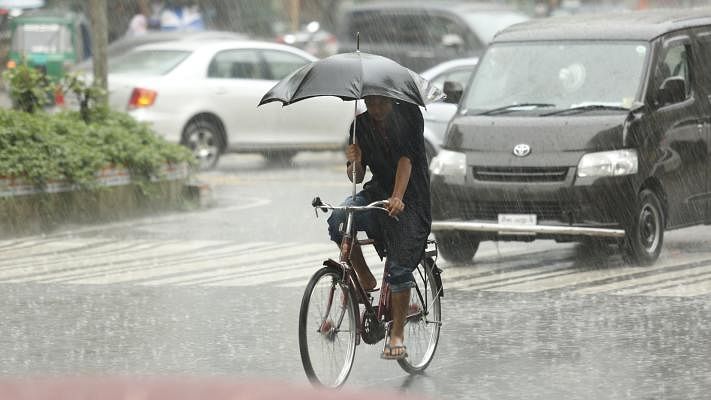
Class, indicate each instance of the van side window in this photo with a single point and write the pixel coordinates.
(442, 31)
(363, 22)
(675, 64)
(703, 63)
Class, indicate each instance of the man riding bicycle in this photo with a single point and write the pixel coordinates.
(390, 141)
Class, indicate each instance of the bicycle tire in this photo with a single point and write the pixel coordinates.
(422, 333)
(318, 336)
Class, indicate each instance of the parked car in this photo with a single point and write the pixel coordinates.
(204, 94)
(581, 128)
(437, 115)
(49, 40)
(123, 45)
(420, 35)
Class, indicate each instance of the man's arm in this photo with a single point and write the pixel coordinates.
(402, 178)
(354, 157)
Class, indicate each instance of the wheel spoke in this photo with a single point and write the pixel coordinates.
(327, 351)
(421, 335)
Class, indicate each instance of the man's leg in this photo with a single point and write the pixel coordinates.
(365, 277)
(399, 304)
(336, 222)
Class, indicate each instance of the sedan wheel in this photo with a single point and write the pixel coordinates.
(204, 139)
(645, 235)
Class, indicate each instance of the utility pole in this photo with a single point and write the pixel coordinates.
(295, 14)
(99, 42)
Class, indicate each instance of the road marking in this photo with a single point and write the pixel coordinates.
(215, 263)
(624, 280)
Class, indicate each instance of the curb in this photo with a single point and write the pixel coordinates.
(28, 210)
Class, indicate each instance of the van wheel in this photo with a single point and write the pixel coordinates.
(457, 247)
(205, 139)
(645, 235)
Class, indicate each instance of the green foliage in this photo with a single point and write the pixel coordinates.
(88, 96)
(42, 147)
(30, 89)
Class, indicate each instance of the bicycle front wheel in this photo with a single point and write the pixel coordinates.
(327, 329)
(424, 319)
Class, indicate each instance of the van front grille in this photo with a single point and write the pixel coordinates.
(520, 174)
(543, 209)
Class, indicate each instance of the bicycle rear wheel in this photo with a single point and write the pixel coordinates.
(327, 329)
(424, 320)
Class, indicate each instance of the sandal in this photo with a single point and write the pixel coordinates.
(387, 353)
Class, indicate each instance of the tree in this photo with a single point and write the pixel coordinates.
(100, 40)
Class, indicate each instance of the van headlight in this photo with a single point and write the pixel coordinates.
(452, 165)
(608, 163)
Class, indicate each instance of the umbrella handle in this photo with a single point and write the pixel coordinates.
(355, 141)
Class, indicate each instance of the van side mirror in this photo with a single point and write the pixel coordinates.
(672, 90)
(453, 90)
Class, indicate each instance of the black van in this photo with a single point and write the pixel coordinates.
(581, 128)
(420, 35)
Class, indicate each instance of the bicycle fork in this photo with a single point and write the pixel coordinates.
(328, 327)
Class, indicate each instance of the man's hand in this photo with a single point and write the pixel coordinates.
(353, 153)
(395, 206)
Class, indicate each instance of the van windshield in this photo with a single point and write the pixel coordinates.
(561, 75)
(42, 38)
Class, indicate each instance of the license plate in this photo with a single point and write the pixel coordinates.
(517, 219)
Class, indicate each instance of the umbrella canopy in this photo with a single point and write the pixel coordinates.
(352, 76)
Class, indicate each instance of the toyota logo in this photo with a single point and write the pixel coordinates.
(522, 150)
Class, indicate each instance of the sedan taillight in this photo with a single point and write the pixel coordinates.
(141, 98)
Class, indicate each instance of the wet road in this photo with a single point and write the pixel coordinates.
(216, 292)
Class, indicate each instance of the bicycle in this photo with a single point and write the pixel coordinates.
(331, 323)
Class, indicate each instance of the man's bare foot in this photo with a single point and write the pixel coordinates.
(394, 350)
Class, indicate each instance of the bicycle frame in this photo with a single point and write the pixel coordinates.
(335, 291)
(350, 279)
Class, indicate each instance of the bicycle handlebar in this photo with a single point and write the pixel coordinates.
(376, 205)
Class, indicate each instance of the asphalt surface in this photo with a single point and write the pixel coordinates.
(216, 292)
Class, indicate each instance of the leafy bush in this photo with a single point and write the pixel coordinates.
(30, 89)
(42, 147)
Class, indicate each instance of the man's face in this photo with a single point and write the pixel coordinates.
(378, 107)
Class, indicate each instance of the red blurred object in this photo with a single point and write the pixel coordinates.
(175, 388)
(141, 98)
(59, 97)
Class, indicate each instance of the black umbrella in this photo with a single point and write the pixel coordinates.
(352, 76)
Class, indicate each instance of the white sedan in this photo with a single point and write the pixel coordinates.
(205, 95)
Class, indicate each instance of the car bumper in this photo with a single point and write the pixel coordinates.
(568, 208)
(166, 125)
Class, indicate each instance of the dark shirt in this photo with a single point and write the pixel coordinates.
(402, 136)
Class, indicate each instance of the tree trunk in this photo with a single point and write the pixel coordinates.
(100, 40)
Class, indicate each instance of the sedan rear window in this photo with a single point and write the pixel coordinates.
(149, 62)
